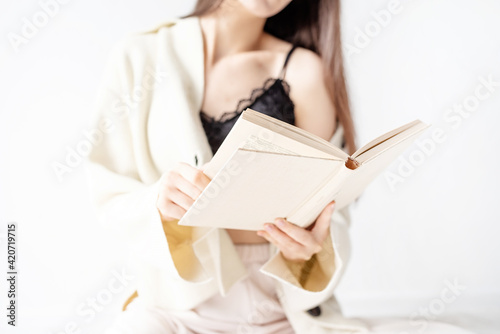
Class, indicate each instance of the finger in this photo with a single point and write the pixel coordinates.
(322, 224)
(284, 241)
(269, 238)
(193, 175)
(299, 234)
(181, 199)
(179, 182)
(266, 236)
(299, 254)
(170, 210)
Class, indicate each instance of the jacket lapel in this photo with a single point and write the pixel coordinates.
(174, 119)
(175, 133)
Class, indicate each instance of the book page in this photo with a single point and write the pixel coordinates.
(255, 187)
(398, 132)
(293, 132)
(391, 139)
(243, 129)
(259, 144)
(345, 186)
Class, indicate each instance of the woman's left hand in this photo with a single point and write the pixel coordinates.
(299, 244)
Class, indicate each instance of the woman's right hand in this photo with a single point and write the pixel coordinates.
(179, 188)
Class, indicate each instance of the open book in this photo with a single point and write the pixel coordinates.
(266, 168)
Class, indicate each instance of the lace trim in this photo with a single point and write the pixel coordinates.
(245, 103)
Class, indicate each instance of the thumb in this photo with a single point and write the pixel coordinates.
(322, 224)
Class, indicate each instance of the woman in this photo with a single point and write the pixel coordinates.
(169, 98)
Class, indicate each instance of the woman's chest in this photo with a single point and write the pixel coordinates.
(236, 79)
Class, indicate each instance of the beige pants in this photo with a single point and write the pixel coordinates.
(251, 307)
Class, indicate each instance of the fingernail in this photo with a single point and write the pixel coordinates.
(268, 227)
(332, 206)
(280, 222)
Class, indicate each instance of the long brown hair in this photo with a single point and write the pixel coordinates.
(314, 25)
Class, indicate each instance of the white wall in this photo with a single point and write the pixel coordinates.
(439, 223)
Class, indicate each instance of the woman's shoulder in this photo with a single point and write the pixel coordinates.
(303, 62)
(314, 110)
(305, 67)
(143, 38)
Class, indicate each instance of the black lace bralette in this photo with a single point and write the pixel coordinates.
(271, 99)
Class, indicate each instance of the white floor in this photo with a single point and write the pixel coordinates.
(479, 324)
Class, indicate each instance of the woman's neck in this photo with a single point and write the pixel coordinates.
(231, 29)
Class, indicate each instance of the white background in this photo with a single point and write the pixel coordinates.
(441, 223)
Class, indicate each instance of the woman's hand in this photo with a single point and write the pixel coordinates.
(299, 244)
(179, 188)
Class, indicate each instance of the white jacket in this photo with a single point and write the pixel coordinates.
(148, 113)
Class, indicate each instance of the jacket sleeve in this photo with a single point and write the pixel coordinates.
(123, 182)
(304, 286)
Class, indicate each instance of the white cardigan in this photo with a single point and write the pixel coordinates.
(148, 113)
